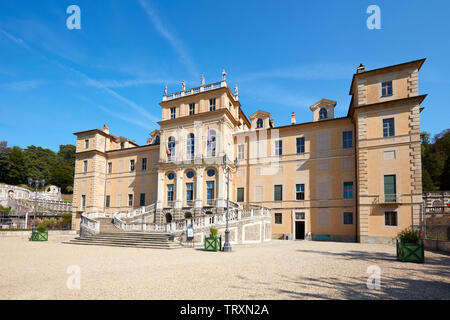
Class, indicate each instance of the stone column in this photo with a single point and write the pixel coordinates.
(221, 188)
(178, 195)
(159, 218)
(199, 189)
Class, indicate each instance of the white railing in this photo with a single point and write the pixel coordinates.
(135, 213)
(192, 91)
(197, 222)
(88, 221)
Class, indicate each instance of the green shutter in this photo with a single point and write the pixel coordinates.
(240, 194)
(278, 191)
(389, 188)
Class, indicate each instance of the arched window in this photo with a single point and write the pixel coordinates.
(190, 144)
(259, 123)
(211, 144)
(323, 114)
(171, 149)
(157, 140)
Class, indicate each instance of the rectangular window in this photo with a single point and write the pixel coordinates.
(86, 144)
(301, 145)
(132, 165)
(122, 145)
(240, 194)
(386, 89)
(83, 201)
(142, 199)
(144, 164)
(390, 218)
(388, 127)
(347, 139)
(300, 191)
(212, 104)
(348, 190)
(241, 150)
(390, 188)
(130, 200)
(278, 192)
(189, 191)
(278, 148)
(173, 113)
(109, 167)
(278, 218)
(191, 109)
(170, 193)
(85, 166)
(210, 192)
(348, 217)
(108, 201)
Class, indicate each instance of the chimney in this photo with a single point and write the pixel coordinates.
(361, 68)
(293, 118)
(105, 129)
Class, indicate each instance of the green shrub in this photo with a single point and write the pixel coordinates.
(409, 236)
(213, 232)
(67, 218)
(42, 228)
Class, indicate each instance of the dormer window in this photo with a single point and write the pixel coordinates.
(122, 145)
(259, 123)
(172, 113)
(386, 89)
(323, 114)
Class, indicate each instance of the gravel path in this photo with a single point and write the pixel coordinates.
(279, 270)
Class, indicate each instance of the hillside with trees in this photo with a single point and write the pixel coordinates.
(436, 161)
(17, 164)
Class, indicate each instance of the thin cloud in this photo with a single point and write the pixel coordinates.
(306, 72)
(23, 85)
(86, 78)
(176, 43)
(133, 82)
(127, 119)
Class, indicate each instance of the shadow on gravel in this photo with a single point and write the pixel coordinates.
(393, 287)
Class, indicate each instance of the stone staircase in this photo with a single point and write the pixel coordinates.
(128, 239)
(111, 236)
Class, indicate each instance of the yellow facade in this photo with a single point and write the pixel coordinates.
(355, 178)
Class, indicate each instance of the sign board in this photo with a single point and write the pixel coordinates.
(190, 233)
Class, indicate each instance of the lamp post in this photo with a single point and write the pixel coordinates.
(36, 183)
(227, 245)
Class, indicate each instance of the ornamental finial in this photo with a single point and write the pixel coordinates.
(202, 80)
(165, 90)
(236, 90)
(183, 85)
(224, 75)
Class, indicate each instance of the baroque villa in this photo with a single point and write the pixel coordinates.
(352, 178)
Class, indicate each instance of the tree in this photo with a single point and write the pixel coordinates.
(16, 166)
(62, 176)
(4, 160)
(435, 161)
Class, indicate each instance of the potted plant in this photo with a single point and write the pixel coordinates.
(212, 243)
(410, 246)
(41, 233)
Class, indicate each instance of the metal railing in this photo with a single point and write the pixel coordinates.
(388, 198)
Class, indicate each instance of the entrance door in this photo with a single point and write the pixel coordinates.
(299, 230)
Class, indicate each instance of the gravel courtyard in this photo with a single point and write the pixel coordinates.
(279, 270)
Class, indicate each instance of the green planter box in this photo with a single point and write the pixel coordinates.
(410, 252)
(213, 244)
(39, 236)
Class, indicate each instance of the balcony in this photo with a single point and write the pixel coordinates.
(190, 203)
(170, 204)
(210, 202)
(387, 199)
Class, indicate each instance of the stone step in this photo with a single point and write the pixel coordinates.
(125, 240)
(127, 244)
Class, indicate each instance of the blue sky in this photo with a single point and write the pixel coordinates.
(283, 55)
